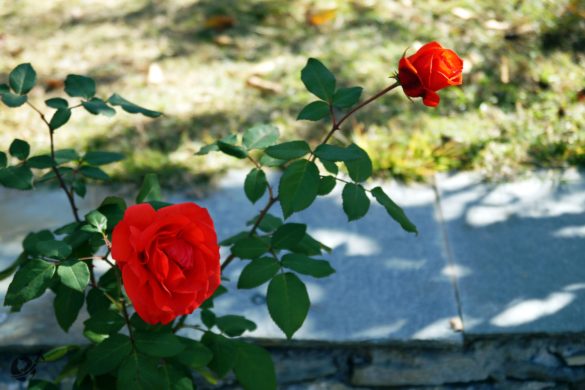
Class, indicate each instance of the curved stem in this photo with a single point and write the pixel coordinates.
(337, 124)
(62, 184)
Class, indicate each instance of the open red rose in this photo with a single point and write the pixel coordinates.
(169, 259)
(428, 70)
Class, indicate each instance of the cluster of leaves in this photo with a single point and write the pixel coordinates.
(281, 252)
(74, 168)
(125, 352)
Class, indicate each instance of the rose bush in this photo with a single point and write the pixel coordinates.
(164, 259)
(169, 259)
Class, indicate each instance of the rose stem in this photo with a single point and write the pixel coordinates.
(70, 195)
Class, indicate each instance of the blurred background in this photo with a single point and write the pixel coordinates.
(215, 67)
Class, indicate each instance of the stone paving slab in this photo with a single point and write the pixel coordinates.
(389, 286)
(519, 250)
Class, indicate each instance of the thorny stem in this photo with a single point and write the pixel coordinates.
(62, 183)
(335, 125)
(127, 319)
(123, 304)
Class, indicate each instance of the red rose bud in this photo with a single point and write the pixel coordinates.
(428, 70)
(169, 259)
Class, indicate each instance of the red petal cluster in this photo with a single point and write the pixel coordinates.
(169, 259)
(428, 70)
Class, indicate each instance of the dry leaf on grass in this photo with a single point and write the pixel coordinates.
(263, 85)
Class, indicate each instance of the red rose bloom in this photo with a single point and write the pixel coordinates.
(428, 70)
(169, 259)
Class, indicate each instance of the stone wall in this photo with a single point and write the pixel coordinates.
(503, 362)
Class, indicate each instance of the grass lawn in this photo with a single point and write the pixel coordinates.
(204, 64)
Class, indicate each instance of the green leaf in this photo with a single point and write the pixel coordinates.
(57, 353)
(102, 158)
(326, 185)
(39, 384)
(355, 201)
(97, 220)
(195, 355)
(288, 150)
(394, 210)
(97, 301)
(208, 318)
(30, 282)
(74, 275)
(3, 160)
(67, 304)
(254, 368)
(298, 186)
(113, 209)
(12, 100)
(97, 106)
(175, 377)
(60, 117)
(258, 272)
(93, 173)
(32, 239)
(318, 79)
(330, 166)
(268, 224)
(235, 238)
(232, 150)
(107, 355)
(255, 184)
(260, 136)
(79, 187)
(207, 148)
(224, 352)
(314, 111)
(117, 100)
(17, 177)
(104, 322)
(360, 169)
(288, 302)
(158, 344)
(63, 156)
(311, 247)
(4, 88)
(267, 161)
(54, 248)
(139, 372)
(8, 271)
(22, 79)
(307, 266)
(233, 325)
(336, 153)
(288, 235)
(57, 103)
(19, 149)
(40, 162)
(109, 282)
(347, 97)
(79, 86)
(249, 248)
(150, 189)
